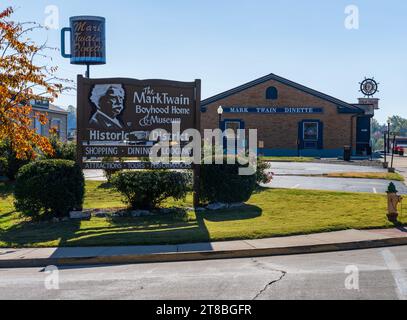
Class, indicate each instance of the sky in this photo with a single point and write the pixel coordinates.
(227, 43)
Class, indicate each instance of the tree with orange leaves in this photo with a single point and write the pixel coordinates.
(22, 81)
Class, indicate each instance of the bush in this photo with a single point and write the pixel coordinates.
(147, 189)
(109, 173)
(222, 183)
(49, 187)
(63, 150)
(3, 166)
(261, 174)
(11, 164)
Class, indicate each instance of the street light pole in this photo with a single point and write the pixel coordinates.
(388, 136)
(220, 113)
(385, 151)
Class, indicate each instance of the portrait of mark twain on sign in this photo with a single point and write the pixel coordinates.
(109, 102)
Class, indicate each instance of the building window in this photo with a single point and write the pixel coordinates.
(311, 131)
(272, 93)
(37, 126)
(56, 125)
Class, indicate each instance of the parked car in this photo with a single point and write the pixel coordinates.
(399, 150)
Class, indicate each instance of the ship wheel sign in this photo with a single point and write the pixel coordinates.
(369, 87)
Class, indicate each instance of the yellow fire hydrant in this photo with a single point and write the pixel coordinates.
(393, 200)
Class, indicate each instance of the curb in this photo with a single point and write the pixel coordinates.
(199, 256)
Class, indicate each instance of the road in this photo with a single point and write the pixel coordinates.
(364, 274)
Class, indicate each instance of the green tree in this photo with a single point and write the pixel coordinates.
(377, 135)
(398, 125)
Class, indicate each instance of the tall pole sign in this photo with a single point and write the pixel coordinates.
(119, 118)
(87, 41)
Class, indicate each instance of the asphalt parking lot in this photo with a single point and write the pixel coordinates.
(334, 184)
(292, 168)
(291, 175)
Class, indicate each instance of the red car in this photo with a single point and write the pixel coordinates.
(399, 150)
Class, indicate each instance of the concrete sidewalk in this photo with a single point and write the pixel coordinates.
(314, 243)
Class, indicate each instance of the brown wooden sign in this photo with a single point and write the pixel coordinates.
(116, 117)
(90, 151)
(137, 166)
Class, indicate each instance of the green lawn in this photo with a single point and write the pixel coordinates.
(288, 159)
(269, 213)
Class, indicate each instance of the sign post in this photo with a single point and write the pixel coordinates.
(197, 166)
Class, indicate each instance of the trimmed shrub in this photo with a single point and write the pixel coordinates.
(49, 187)
(222, 183)
(148, 189)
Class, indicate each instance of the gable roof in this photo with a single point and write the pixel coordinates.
(51, 109)
(342, 105)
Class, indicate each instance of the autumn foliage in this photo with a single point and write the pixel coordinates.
(22, 81)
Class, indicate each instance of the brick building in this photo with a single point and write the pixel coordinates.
(292, 119)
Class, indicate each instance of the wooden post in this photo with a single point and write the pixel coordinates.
(197, 166)
(79, 115)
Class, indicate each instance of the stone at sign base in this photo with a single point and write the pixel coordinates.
(140, 213)
(216, 206)
(79, 215)
(236, 205)
(220, 206)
